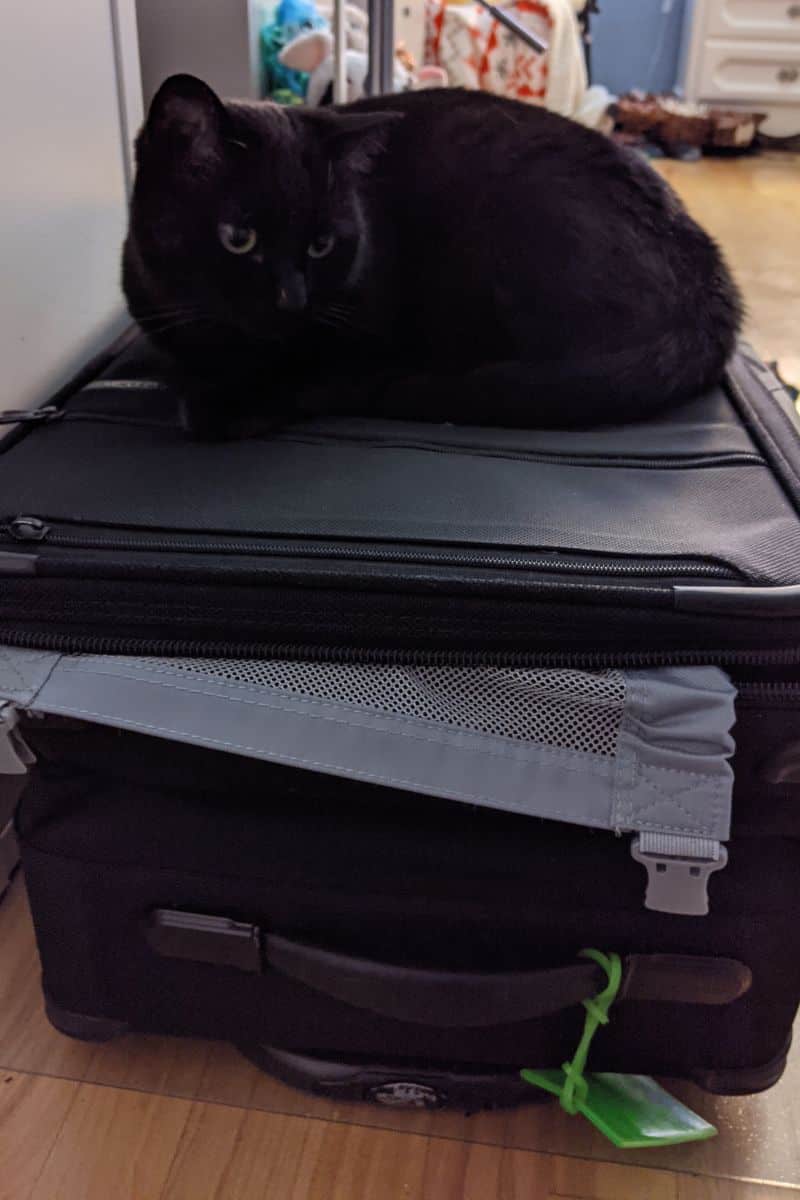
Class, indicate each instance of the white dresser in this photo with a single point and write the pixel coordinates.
(746, 54)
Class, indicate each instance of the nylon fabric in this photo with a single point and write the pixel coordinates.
(638, 750)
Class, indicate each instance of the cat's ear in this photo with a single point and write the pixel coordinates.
(353, 139)
(187, 122)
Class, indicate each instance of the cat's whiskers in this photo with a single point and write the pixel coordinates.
(165, 314)
(339, 316)
(176, 323)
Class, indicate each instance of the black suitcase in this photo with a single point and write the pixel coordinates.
(349, 938)
(351, 935)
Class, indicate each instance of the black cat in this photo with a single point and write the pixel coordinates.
(443, 255)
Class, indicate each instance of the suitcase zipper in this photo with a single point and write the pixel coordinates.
(583, 660)
(31, 416)
(768, 693)
(30, 529)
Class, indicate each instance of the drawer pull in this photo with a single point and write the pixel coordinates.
(788, 75)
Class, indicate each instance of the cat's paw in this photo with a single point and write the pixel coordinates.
(204, 418)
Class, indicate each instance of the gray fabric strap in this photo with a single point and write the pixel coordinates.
(335, 738)
(658, 767)
(673, 775)
(22, 673)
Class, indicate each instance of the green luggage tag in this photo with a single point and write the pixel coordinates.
(632, 1111)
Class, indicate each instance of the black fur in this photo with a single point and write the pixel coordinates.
(494, 263)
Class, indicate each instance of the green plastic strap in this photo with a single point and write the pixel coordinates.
(575, 1087)
(632, 1111)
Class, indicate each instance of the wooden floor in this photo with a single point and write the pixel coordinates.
(166, 1119)
(752, 207)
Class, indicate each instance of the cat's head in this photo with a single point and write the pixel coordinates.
(245, 219)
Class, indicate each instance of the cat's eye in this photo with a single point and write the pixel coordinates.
(237, 239)
(321, 246)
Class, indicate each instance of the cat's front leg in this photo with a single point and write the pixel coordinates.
(231, 405)
(203, 414)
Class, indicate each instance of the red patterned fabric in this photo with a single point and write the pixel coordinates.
(478, 52)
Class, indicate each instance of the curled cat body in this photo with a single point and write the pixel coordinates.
(437, 255)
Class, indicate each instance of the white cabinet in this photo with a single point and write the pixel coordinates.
(746, 54)
(765, 71)
(754, 19)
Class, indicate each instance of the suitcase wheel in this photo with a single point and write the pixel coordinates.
(396, 1085)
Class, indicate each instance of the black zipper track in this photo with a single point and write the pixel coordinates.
(767, 693)
(559, 562)
(584, 660)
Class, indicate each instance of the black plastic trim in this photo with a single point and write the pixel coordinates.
(82, 1026)
(395, 1083)
(738, 601)
(773, 425)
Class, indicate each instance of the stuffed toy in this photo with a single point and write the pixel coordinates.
(356, 25)
(312, 54)
(291, 19)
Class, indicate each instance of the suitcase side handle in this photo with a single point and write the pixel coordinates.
(463, 999)
(443, 998)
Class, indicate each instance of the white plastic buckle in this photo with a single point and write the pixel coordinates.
(15, 755)
(678, 868)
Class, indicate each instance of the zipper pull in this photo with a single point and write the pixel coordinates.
(31, 416)
(27, 529)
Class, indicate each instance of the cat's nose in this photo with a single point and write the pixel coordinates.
(292, 294)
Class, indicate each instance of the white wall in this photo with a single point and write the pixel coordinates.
(63, 187)
(214, 39)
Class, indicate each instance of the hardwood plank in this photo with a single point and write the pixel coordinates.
(231, 1154)
(612, 1181)
(693, 1187)
(113, 1145)
(506, 1174)
(209, 1142)
(32, 1111)
(752, 207)
(228, 1078)
(168, 1066)
(28, 1041)
(252, 1174)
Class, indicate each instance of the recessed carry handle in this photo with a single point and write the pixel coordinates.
(443, 998)
(463, 999)
(447, 999)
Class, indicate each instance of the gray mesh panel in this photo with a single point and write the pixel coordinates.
(575, 710)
